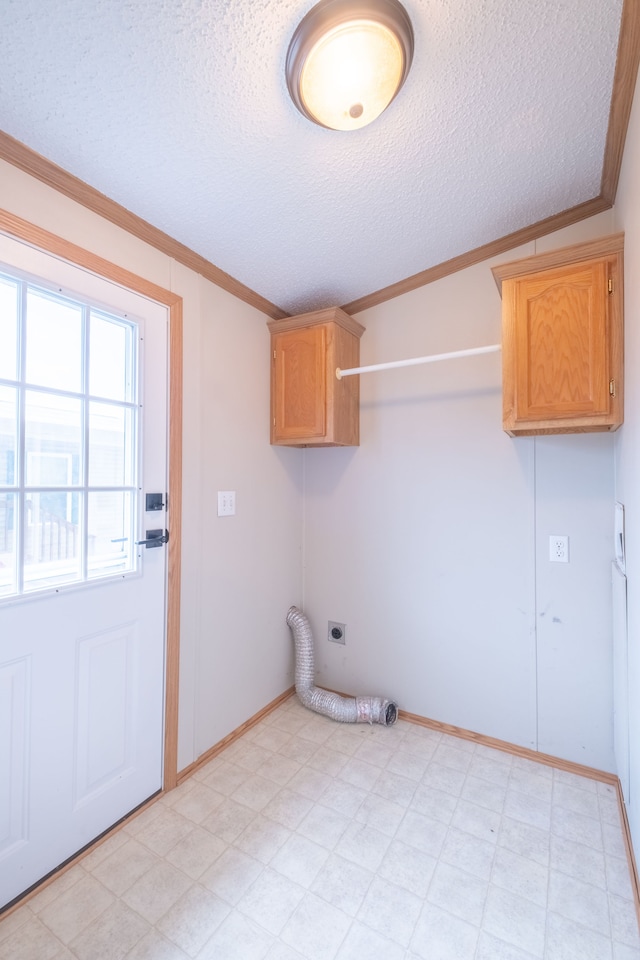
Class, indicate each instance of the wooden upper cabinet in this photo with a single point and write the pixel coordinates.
(562, 340)
(310, 407)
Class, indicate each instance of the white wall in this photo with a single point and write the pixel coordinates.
(627, 218)
(240, 574)
(430, 541)
(251, 573)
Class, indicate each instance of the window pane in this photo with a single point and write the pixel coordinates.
(51, 539)
(110, 358)
(53, 440)
(7, 544)
(54, 342)
(110, 446)
(8, 329)
(110, 533)
(8, 426)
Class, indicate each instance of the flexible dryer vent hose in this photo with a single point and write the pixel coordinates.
(345, 709)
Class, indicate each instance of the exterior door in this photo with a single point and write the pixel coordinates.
(83, 439)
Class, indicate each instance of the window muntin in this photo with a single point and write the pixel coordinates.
(68, 440)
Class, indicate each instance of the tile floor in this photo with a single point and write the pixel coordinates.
(317, 840)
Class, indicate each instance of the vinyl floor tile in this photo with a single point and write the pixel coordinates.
(312, 840)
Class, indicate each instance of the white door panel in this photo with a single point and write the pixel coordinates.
(82, 665)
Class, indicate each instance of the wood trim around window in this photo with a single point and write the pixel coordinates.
(20, 229)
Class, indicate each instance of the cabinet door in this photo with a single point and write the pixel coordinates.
(561, 340)
(300, 384)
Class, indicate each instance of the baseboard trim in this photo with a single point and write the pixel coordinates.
(628, 844)
(525, 752)
(217, 748)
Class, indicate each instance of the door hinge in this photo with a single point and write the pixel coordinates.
(274, 354)
(612, 388)
(274, 421)
(610, 286)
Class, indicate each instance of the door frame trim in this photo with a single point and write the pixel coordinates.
(23, 230)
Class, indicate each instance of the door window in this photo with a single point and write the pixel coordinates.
(68, 439)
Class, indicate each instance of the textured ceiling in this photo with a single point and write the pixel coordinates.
(178, 110)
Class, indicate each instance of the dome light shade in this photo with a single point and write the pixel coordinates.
(347, 61)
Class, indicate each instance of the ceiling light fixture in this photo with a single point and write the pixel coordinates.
(348, 59)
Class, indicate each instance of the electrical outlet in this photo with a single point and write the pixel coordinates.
(336, 632)
(558, 548)
(226, 503)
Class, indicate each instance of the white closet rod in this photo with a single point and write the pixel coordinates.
(414, 361)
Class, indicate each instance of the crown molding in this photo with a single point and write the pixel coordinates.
(478, 254)
(37, 166)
